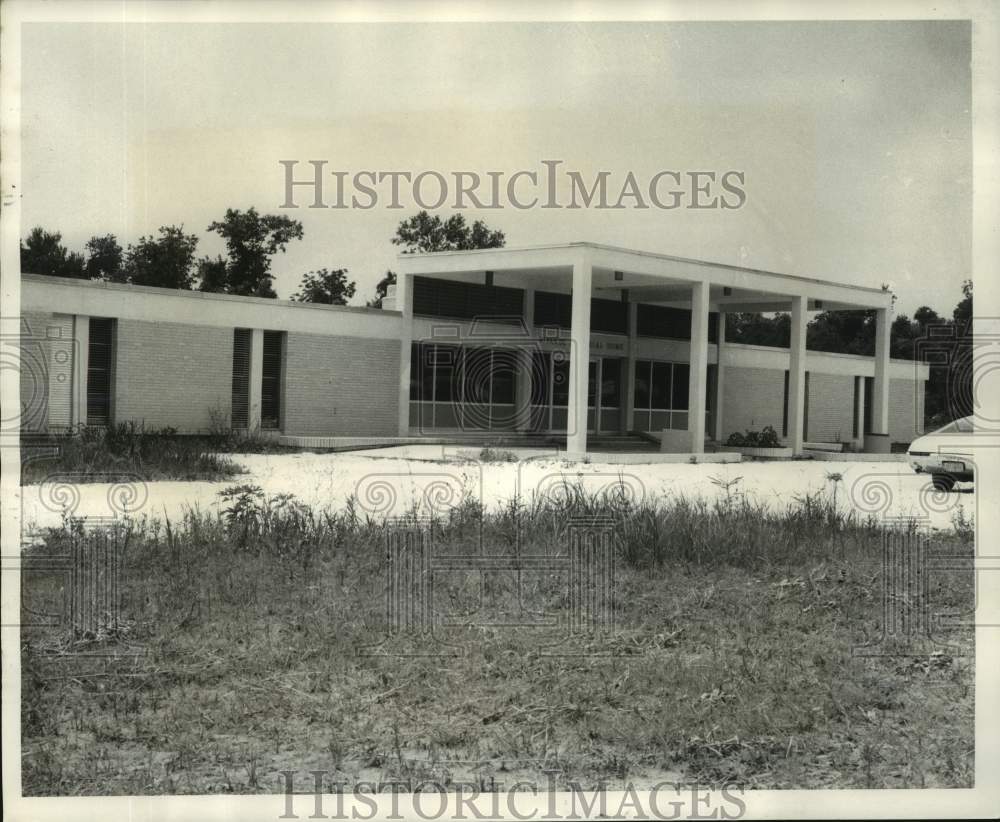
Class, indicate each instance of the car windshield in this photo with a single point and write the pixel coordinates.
(959, 426)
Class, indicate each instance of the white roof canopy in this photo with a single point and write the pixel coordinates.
(647, 277)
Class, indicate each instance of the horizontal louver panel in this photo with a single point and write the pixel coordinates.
(669, 323)
(100, 362)
(270, 390)
(242, 339)
(606, 316)
(466, 301)
(609, 316)
(553, 309)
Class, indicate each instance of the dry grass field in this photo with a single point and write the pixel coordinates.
(255, 642)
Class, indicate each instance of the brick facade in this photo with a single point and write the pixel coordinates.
(172, 374)
(340, 386)
(752, 398)
(35, 356)
(341, 366)
(831, 408)
(906, 409)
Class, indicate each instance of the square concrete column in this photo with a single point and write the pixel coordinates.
(698, 381)
(628, 407)
(404, 303)
(254, 403)
(797, 377)
(579, 358)
(81, 362)
(880, 394)
(720, 379)
(525, 364)
(859, 412)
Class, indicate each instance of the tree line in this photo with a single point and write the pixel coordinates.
(945, 342)
(169, 258)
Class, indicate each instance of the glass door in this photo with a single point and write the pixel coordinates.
(611, 393)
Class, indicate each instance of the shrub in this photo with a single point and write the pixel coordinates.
(99, 454)
(765, 438)
(496, 454)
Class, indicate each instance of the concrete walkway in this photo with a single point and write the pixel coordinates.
(386, 484)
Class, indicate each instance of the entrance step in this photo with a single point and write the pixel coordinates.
(619, 443)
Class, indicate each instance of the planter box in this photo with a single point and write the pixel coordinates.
(878, 444)
(779, 453)
(835, 447)
(675, 442)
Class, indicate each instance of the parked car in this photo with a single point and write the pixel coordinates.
(945, 454)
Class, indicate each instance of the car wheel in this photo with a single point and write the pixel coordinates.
(942, 482)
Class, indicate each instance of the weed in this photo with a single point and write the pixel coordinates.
(127, 450)
(496, 454)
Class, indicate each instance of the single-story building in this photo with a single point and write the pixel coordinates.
(576, 340)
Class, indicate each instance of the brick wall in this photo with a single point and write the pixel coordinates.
(906, 409)
(170, 374)
(831, 408)
(752, 398)
(340, 386)
(34, 361)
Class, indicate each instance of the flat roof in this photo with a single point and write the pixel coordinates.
(607, 257)
(129, 288)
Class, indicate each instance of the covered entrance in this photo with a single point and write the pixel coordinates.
(570, 390)
(484, 388)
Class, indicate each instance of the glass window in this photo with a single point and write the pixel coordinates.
(503, 370)
(661, 385)
(641, 398)
(591, 384)
(477, 375)
(540, 370)
(560, 380)
(682, 374)
(426, 372)
(445, 362)
(610, 382)
(959, 426)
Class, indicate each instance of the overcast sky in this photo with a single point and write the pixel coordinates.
(854, 137)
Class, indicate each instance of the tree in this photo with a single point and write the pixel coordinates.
(382, 289)
(212, 274)
(962, 315)
(842, 332)
(252, 240)
(961, 400)
(166, 261)
(926, 317)
(422, 232)
(43, 253)
(104, 259)
(758, 329)
(325, 286)
(902, 335)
